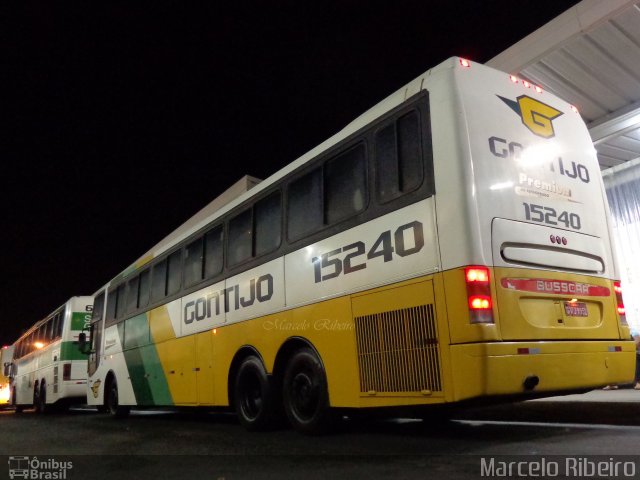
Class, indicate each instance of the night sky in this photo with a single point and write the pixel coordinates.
(122, 121)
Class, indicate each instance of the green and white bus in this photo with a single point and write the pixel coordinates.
(47, 369)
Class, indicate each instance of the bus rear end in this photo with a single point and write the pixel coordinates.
(72, 367)
(530, 281)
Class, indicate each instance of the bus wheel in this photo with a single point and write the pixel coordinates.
(36, 397)
(16, 408)
(306, 400)
(41, 400)
(113, 407)
(253, 396)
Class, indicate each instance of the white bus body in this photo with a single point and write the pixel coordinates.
(490, 272)
(47, 367)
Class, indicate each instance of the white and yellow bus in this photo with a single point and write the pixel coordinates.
(47, 370)
(449, 244)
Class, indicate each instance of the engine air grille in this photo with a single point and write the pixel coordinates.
(398, 351)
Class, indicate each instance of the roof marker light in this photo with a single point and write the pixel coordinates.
(465, 63)
(513, 78)
(526, 84)
(538, 89)
(574, 108)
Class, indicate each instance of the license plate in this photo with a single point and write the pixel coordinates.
(576, 309)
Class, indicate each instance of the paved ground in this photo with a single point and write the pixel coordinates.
(213, 446)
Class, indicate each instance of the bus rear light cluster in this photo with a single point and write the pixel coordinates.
(66, 371)
(465, 63)
(479, 294)
(617, 287)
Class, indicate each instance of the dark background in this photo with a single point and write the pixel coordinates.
(123, 120)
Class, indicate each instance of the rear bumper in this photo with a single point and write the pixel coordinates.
(501, 368)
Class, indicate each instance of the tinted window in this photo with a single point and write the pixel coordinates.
(49, 330)
(143, 292)
(55, 322)
(268, 224)
(60, 316)
(158, 281)
(240, 238)
(174, 275)
(304, 200)
(409, 152)
(345, 185)
(193, 262)
(213, 252)
(120, 302)
(399, 157)
(132, 294)
(111, 305)
(98, 307)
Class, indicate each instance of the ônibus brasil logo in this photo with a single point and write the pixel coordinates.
(32, 468)
(535, 115)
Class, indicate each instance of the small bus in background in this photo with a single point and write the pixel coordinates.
(451, 243)
(47, 369)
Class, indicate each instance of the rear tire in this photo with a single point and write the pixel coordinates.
(36, 397)
(111, 400)
(17, 408)
(306, 398)
(254, 398)
(41, 401)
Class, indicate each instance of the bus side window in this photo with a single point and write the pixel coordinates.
(111, 306)
(174, 274)
(240, 237)
(120, 302)
(159, 281)
(60, 316)
(398, 152)
(345, 180)
(193, 262)
(268, 224)
(304, 205)
(132, 294)
(213, 252)
(53, 327)
(143, 291)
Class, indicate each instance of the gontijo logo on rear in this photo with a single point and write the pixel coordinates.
(535, 115)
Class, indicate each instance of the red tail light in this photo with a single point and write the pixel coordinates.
(66, 371)
(479, 294)
(617, 287)
(465, 63)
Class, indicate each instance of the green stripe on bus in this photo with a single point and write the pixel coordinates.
(70, 351)
(149, 383)
(80, 320)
